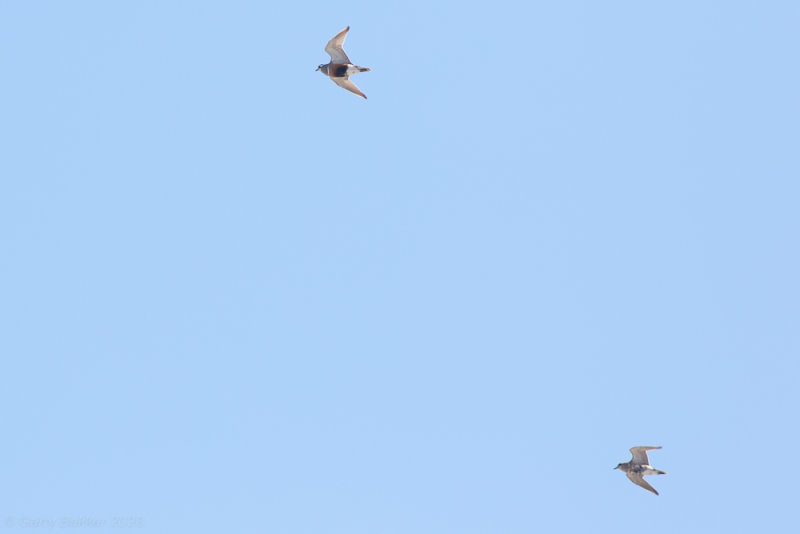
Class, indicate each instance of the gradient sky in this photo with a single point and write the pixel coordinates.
(237, 298)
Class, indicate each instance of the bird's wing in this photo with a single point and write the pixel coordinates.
(347, 84)
(640, 454)
(637, 479)
(335, 50)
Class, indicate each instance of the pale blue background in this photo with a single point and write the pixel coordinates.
(237, 298)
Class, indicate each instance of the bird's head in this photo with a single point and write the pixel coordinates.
(617, 466)
(323, 68)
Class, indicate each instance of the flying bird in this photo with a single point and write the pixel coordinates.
(639, 466)
(340, 67)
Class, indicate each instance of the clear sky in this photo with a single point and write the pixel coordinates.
(237, 298)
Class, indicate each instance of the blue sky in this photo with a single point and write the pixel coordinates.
(237, 298)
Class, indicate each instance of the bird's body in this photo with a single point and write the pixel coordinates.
(340, 67)
(639, 466)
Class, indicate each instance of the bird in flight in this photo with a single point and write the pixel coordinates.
(340, 67)
(639, 466)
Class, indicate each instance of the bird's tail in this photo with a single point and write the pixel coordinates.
(363, 69)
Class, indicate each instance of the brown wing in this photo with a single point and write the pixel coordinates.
(335, 50)
(639, 481)
(347, 84)
(640, 454)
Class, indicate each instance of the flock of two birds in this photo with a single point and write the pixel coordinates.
(339, 71)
